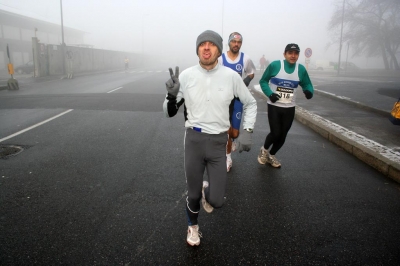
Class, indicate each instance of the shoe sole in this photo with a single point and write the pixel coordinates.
(207, 211)
(193, 244)
(203, 202)
(279, 166)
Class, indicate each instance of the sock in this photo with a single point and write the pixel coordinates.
(264, 149)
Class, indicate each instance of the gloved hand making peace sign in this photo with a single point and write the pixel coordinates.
(173, 84)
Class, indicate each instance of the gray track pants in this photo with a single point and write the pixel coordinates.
(204, 152)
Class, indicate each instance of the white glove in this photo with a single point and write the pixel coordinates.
(244, 141)
(173, 84)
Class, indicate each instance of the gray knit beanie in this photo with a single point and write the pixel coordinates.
(209, 36)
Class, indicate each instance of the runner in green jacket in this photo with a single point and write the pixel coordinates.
(280, 82)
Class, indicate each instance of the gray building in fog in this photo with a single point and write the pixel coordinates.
(17, 31)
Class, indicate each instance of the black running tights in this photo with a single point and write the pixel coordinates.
(280, 121)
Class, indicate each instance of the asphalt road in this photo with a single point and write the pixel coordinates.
(103, 184)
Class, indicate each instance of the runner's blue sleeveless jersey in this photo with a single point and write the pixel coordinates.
(238, 67)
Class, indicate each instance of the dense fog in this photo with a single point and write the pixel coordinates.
(168, 29)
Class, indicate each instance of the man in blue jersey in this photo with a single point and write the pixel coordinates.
(242, 64)
(281, 82)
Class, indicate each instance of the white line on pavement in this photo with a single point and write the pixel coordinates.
(36, 125)
(115, 89)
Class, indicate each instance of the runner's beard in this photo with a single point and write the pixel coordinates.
(234, 50)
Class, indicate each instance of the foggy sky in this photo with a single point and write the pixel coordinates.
(169, 28)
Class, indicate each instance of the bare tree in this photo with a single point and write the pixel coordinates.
(372, 28)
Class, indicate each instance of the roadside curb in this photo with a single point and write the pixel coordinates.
(383, 159)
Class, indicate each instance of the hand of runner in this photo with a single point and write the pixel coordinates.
(173, 84)
(244, 141)
(247, 81)
(308, 94)
(274, 97)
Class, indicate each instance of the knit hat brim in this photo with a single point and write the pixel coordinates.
(209, 36)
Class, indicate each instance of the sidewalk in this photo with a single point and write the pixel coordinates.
(29, 77)
(363, 131)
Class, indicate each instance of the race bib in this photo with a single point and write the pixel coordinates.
(286, 94)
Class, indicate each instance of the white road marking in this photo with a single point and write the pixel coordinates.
(36, 125)
(115, 89)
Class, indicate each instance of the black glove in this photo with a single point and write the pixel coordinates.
(171, 97)
(180, 103)
(274, 97)
(172, 105)
(247, 81)
(308, 94)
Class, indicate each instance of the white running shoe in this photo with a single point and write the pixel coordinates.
(273, 161)
(233, 146)
(193, 235)
(228, 163)
(206, 206)
(263, 156)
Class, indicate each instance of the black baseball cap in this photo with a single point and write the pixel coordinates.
(292, 47)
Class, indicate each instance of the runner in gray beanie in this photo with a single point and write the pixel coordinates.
(209, 36)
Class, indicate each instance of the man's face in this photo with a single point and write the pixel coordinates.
(208, 53)
(291, 56)
(235, 45)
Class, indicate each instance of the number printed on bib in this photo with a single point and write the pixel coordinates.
(286, 94)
